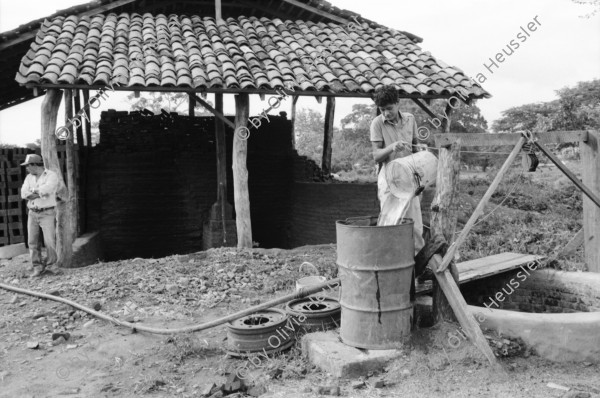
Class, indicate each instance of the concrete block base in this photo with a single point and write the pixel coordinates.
(326, 351)
(11, 251)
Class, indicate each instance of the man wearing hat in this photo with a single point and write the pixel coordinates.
(39, 189)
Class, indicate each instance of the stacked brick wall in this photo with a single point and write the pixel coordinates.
(153, 182)
(544, 291)
(13, 210)
(315, 207)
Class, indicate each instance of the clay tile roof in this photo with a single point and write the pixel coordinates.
(238, 53)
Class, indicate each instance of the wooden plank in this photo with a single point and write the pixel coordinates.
(492, 265)
(590, 160)
(464, 316)
(240, 175)
(590, 167)
(470, 140)
(316, 11)
(328, 135)
(449, 256)
(484, 267)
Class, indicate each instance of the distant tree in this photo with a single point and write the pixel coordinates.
(577, 108)
(309, 133)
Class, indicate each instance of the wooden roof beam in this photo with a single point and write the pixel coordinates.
(228, 91)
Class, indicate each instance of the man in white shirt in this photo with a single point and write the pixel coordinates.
(393, 136)
(39, 189)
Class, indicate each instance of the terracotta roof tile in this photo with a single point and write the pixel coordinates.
(246, 53)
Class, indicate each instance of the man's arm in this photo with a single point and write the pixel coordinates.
(49, 186)
(381, 153)
(26, 190)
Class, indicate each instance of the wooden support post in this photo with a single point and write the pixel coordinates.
(294, 101)
(220, 209)
(79, 126)
(328, 135)
(50, 105)
(218, 10)
(72, 209)
(443, 219)
(81, 171)
(191, 105)
(481, 206)
(464, 316)
(240, 174)
(590, 160)
(88, 124)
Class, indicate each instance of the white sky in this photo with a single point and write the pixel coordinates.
(564, 50)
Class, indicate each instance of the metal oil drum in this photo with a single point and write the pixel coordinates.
(375, 264)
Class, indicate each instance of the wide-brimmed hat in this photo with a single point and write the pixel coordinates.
(32, 158)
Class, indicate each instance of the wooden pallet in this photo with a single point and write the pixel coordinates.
(483, 267)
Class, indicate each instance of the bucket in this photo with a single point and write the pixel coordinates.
(400, 173)
(309, 281)
(375, 264)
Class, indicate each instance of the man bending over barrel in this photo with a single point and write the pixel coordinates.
(393, 136)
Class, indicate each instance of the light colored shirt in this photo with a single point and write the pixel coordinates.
(45, 185)
(404, 130)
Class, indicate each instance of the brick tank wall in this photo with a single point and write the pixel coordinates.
(544, 291)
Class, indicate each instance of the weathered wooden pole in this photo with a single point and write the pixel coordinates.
(80, 167)
(590, 160)
(240, 174)
(443, 219)
(64, 248)
(293, 118)
(72, 209)
(88, 124)
(328, 135)
(191, 105)
(219, 210)
(443, 214)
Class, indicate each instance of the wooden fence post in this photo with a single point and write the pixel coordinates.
(64, 248)
(590, 160)
(328, 135)
(240, 174)
(443, 219)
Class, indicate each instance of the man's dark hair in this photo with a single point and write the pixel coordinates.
(386, 95)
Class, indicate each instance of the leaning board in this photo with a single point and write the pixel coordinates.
(486, 266)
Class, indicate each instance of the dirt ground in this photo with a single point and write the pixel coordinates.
(100, 359)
